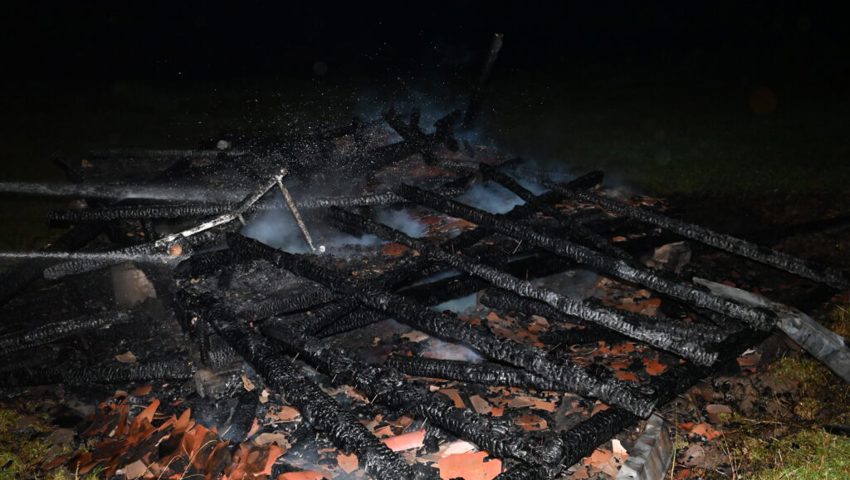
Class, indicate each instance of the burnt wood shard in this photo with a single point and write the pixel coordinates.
(658, 335)
(767, 256)
(618, 268)
(572, 377)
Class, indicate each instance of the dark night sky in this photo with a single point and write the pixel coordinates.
(78, 43)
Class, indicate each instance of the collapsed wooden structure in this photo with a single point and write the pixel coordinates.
(239, 299)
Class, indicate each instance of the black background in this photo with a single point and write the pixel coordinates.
(85, 44)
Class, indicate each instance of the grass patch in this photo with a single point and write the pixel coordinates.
(19, 455)
(808, 454)
(805, 372)
(840, 320)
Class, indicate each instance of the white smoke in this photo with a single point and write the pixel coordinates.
(490, 197)
(401, 220)
(457, 305)
(277, 228)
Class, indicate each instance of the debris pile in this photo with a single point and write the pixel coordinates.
(346, 302)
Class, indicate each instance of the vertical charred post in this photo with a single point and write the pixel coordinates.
(618, 268)
(572, 377)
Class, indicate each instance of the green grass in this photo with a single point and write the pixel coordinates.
(19, 454)
(807, 455)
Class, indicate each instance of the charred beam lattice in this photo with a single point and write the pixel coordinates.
(767, 256)
(618, 268)
(657, 335)
(570, 376)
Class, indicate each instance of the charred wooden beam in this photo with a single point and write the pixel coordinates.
(491, 374)
(758, 318)
(574, 230)
(317, 408)
(357, 319)
(147, 250)
(183, 239)
(204, 263)
(659, 334)
(570, 376)
(317, 319)
(508, 301)
(288, 302)
(166, 371)
(389, 387)
(117, 192)
(54, 331)
(421, 142)
(580, 441)
(23, 274)
(783, 261)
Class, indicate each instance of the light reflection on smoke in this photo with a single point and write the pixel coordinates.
(403, 221)
(277, 228)
(436, 348)
(457, 305)
(490, 197)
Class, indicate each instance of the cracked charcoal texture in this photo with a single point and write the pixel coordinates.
(508, 301)
(483, 373)
(51, 332)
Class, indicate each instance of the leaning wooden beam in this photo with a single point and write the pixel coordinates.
(758, 318)
(656, 335)
(474, 106)
(572, 377)
(183, 238)
(783, 261)
(822, 343)
(317, 408)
